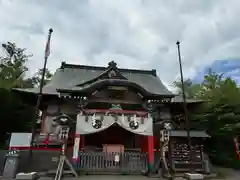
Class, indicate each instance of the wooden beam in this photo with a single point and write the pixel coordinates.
(114, 101)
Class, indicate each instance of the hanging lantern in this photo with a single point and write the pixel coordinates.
(63, 119)
(96, 123)
(39, 117)
(133, 124)
(168, 126)
(164, 135)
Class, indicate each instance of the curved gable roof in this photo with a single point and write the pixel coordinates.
(69, 76)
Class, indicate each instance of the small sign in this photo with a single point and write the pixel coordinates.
(20, 140)
(11, 165)
(117, 158)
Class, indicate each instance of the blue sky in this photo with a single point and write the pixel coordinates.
(229, 68)
(138, 34)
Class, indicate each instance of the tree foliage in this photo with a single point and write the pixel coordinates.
(16, 116)
(13, 69)
(36, 79)
(191, 89)
(13, 66)
(219, 115)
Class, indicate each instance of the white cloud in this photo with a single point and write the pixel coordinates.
(136, 34)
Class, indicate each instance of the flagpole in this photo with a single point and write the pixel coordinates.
(39, 97)
(185, 107)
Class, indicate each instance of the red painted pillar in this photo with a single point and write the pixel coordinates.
(82, 143)
(150, 150)
(144, 143)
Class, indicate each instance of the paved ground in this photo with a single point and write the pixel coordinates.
(133, 177)
(228, 174)
(115, 177)
(106, 177)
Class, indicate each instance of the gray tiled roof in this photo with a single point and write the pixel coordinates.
(183, 133)
(179, 99)
(70, 77)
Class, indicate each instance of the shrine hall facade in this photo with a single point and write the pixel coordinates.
(112, 109)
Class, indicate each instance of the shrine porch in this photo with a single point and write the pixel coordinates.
(115, 150)
(115, 142)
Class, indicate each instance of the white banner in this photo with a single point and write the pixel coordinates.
(89, 124)
(76, 147)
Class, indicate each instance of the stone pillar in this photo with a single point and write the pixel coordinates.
(150, 151)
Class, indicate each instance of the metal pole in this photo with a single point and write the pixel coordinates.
(39, 98)
(185, 107)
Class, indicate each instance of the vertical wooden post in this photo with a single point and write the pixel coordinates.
(150, 150)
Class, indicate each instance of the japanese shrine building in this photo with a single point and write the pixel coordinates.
(110, 107)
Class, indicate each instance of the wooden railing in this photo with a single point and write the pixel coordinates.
(123, 163)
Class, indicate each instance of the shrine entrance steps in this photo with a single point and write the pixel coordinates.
(112, 163)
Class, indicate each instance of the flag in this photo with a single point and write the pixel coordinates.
(47, 49)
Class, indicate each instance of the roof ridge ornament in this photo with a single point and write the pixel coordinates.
(112, 64)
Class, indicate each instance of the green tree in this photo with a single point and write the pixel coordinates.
(16, 115)
(191, 89)
(222, 102)
(13, 66)
(36, 79)
(220, 116)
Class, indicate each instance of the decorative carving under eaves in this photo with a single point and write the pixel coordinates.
(82, 103)
(160, 102)
(149, 106)
(167, 124)
(164, 113)
(111, 74)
